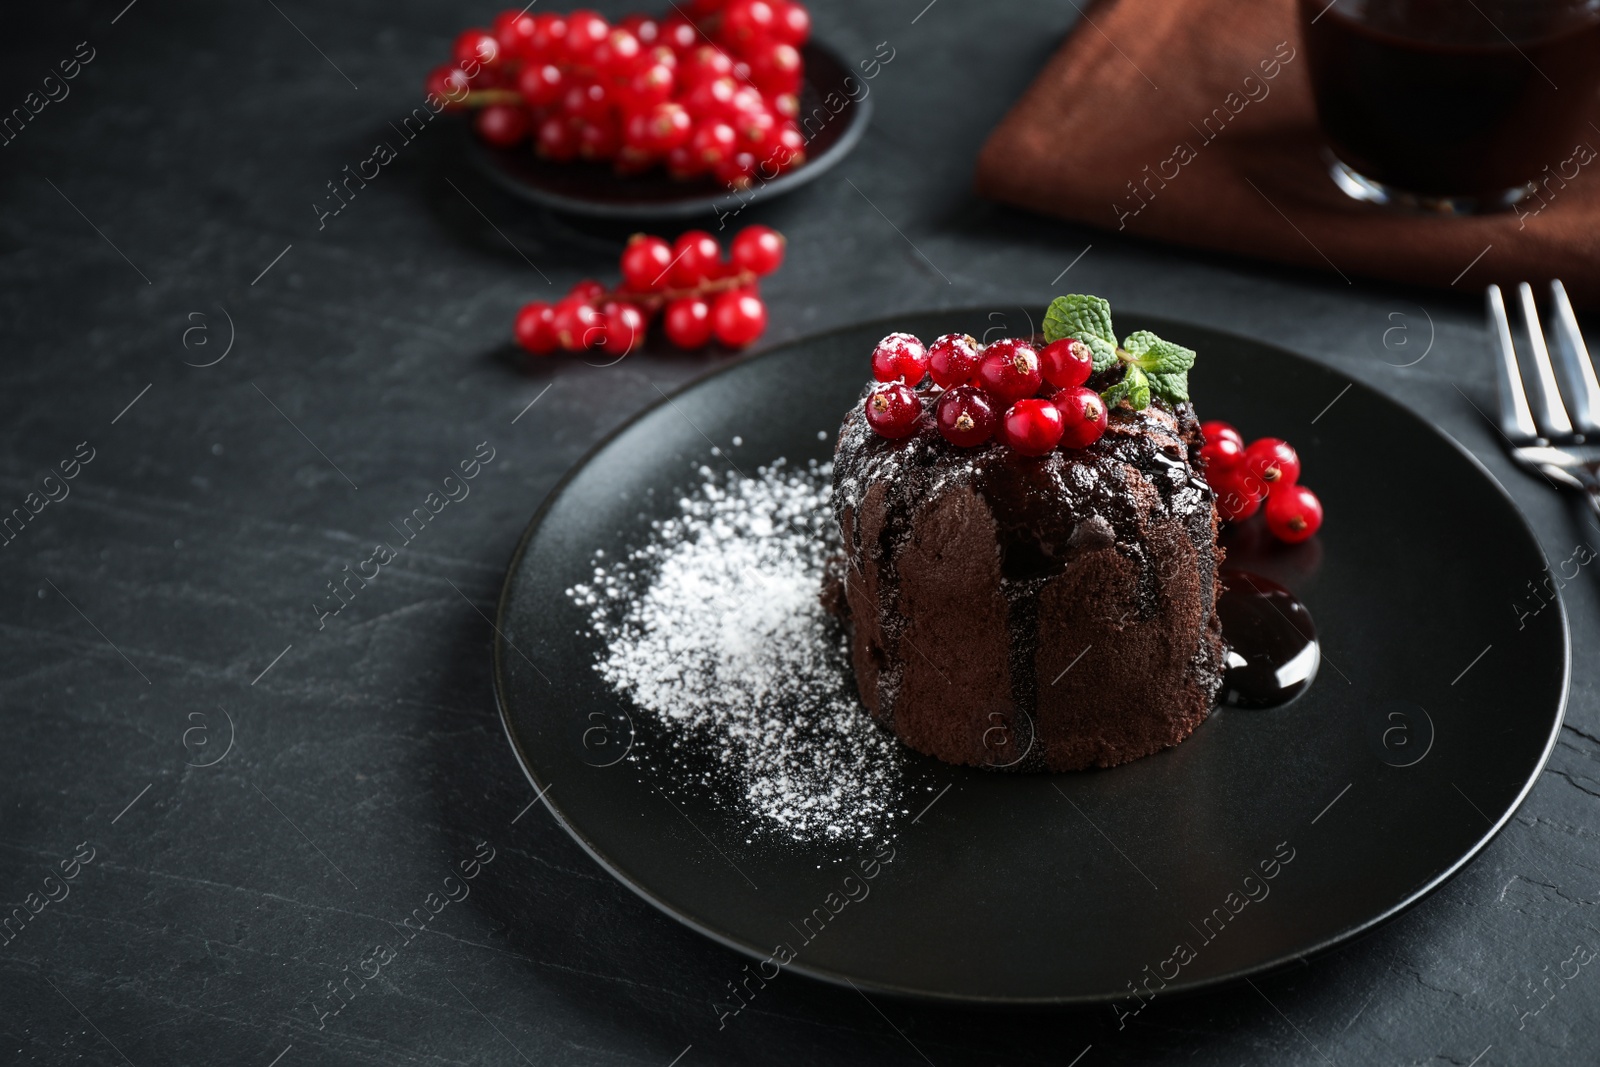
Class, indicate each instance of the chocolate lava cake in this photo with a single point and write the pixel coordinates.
(1030, 612)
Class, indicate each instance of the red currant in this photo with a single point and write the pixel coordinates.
(756, 129)
(587, 100)
(1032, 426)
(1273, 461)
(746, 100)
(577, 323)
(705, 63)
(1083, 416)
(599, 140)
(449, 84)
(1216, 430)
(893, 410)
(662, 128)
(953, 359)
(513, 31)
(736, 171)
(476, 48)
(1066, 363)
(695, 257)
(645, 27)
(652, 84)
(557, 139)
(585, 31)
(587, 289)
(712, 99)
(502, 125)
(713, 143)
(1221, 453)
(777, 68)
(535, 328)
(624, 328)
(965, 416)
(793, 25)
(738, 317)
(645, 263)
(688, 322)
(758, 249)
(680, 35)
(1239, 493)
(899, 357)
(619, 55)
(549, 35)
(1293, 513)
(745, 22)
(790, 151)
(1010, 370)
(541, 84)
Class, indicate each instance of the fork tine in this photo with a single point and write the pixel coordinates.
(1548, 411)
(1577, 369)
(1516, 421)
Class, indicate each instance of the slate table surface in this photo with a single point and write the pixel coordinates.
(166, 204)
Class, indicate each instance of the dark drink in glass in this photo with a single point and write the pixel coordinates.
(1452, 105)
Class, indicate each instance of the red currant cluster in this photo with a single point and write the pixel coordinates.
(1268, 469)
(1032, 400)
(711, 91)
(700, 295)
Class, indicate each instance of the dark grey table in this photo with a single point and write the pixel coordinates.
(164, 207)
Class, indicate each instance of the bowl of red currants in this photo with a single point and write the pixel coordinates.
(715, 105)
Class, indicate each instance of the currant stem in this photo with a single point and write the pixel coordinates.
(486, 97)
(653, 301)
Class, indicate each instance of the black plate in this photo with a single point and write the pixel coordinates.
(1436, 706)
(831, 119)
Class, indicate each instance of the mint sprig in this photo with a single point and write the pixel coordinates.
(1166, 364)
(1153, 366)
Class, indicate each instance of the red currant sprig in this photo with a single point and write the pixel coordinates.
(1033, 401)
(711, 92)
(699, 295)
(1266, 472)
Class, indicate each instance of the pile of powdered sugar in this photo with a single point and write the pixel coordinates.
(715, 628)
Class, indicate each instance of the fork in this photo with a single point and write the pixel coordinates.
(1559, 441)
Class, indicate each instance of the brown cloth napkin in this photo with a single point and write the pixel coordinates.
(1192, 121)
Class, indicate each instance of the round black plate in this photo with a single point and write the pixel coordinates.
(833, 117)
(1439, 699)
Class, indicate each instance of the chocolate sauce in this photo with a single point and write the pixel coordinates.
(1451, 98)
(1272, 643)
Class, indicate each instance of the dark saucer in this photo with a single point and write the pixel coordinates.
(833, 116)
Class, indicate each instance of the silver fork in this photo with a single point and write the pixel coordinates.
(1560, 441)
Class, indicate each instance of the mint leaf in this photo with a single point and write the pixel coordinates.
(1173, 388)
(1079, 316)
(1166, 364)
(1084, 318)
(1153, 354)
(1134, 388)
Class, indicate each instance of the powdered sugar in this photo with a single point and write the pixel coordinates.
(716, 629)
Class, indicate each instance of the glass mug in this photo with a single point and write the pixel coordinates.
(1453, 106)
